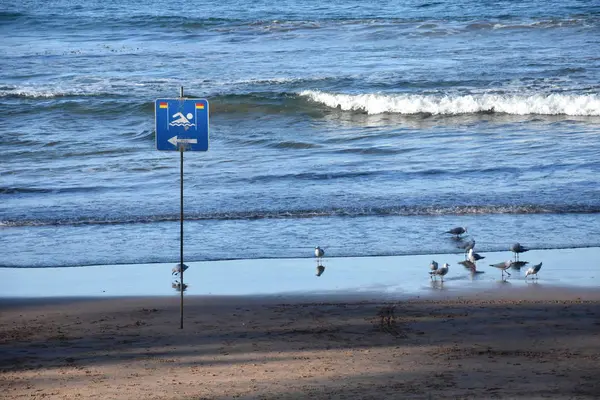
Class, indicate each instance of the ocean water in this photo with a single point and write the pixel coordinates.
(367, 128)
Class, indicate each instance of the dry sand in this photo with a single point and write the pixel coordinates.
(341, 347)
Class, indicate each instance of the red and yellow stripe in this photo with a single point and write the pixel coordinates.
(199, 106)
(163, 105)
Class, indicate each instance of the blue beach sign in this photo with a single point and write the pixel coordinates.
(181, 124)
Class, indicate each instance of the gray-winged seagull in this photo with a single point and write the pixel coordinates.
(503, 266)
(433, 267)
(533, 270)
(474, 257)
(319, 253)
(177, 269)
(470, 245)
(517, 248)
(441, 271)
(459, 230)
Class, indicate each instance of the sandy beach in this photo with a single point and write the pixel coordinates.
(515, 343)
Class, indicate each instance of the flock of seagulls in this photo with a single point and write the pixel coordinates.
(471, 259)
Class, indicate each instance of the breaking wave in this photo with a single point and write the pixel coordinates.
(540, 104)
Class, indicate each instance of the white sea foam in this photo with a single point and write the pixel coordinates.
(52, 91)
(550, 104)
(31, 92)
(85, 86)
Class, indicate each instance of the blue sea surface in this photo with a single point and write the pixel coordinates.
(367, 128)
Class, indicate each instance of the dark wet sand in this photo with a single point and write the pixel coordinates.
(517, 344)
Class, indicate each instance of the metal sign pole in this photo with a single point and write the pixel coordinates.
(181, 237)
(181, 150)
(181, 125)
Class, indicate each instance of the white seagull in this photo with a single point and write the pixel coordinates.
(533, 271)
(503, 266)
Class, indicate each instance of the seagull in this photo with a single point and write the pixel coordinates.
(474, 257)
(177, 269)
(517, 248)
(433, 266)
(503, 266)
(457, 231)
(441, 271)
(533, 270)
(320, 270)
(319, 253)
(467, 246)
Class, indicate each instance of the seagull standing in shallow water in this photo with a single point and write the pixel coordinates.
(319, 253)
(533, 271)
(474, 257)
(177, 269)
(517, 248)
(503, 266)
(470, 245)
(433, 266)
(441, 271)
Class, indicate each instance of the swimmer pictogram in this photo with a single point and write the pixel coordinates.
(182, 120)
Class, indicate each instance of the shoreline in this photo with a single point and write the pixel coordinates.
(533, 292)
(391, 276)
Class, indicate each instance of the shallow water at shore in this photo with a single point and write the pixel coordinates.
(388, 277)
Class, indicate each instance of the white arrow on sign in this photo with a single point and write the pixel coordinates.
(174, 141)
